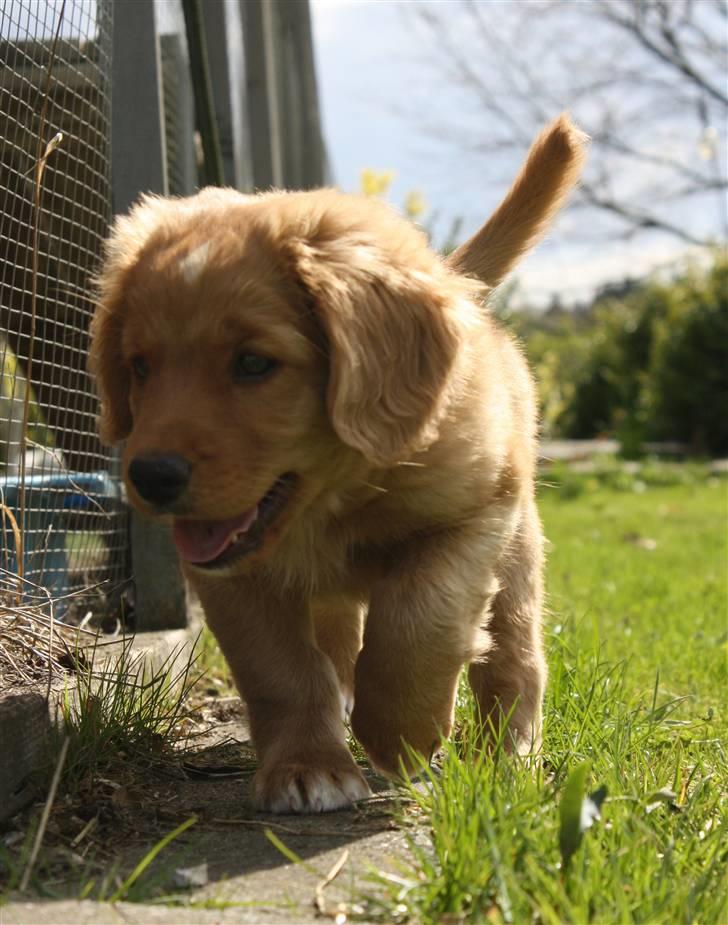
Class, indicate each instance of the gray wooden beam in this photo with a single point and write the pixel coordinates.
(139, 164)
(302, 143)
(224, 29)
(138, 149)
(261, 58)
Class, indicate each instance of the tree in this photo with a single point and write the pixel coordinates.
(689, 365)
(645, 78)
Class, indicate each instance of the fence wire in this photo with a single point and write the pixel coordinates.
(75, 530)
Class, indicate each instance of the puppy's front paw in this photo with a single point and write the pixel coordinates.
(309, 787)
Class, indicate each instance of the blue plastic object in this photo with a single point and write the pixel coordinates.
(49, 499)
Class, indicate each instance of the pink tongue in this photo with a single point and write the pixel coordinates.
(205, 540)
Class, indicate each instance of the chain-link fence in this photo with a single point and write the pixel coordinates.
(63, 526)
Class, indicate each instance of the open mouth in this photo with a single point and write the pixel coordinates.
(214, 543)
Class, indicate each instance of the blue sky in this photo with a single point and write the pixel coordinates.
(374, 79)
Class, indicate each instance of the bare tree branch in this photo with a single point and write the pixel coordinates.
(638, 219)
(674, 54)
(642, 77)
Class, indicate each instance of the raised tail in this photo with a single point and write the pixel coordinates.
(550, 172)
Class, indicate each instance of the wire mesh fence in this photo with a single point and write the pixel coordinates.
(55, 478)
(63, 525)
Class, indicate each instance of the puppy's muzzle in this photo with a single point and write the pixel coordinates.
(160, 480)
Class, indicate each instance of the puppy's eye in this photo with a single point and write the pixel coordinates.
(140, 368)
(250, 366)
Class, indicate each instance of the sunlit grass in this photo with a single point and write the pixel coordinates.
(637, 653)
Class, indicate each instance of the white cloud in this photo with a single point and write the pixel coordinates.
(573, 272)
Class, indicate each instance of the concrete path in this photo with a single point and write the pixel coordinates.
(238, 874)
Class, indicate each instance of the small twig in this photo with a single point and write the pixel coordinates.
(90, 825)
(46, 815)
(44, 618)
(319, 902)
(51, 625)
(57, 456)
(18, 628)
(12, 661)
(39, 653)
(26, 581)
(262, 823)
(9, 515)
(85, 590)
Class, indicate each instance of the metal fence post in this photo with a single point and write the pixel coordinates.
(138, 163)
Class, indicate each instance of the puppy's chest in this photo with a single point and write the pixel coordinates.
(370, 534)
(375, 544)
(366, 564)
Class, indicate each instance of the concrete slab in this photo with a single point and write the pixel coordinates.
(245, 878)
(248, 879)
(24, 730)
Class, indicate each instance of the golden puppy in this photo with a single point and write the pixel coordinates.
(343, 442)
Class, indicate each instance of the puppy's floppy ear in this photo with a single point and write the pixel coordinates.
(106, 362)
(393, 335)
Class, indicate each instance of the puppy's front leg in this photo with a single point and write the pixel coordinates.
(421, 628)
(292, 694)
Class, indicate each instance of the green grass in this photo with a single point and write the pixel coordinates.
(124, 708)
(637, 651)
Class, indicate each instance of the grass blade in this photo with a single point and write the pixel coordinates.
(148, 858)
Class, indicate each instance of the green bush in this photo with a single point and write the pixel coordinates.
(647, 363)
(689, 376)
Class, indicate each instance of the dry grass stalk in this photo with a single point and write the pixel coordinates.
(46, 815)
(9, 517)
(338, 915)
(41, 159)
(33, 642)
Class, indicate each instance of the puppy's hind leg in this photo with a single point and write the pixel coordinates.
(338, 624)
(421, 628)
(510, 680)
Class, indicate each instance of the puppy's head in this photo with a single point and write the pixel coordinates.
(253, 352)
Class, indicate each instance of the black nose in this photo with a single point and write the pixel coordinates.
(160, 479)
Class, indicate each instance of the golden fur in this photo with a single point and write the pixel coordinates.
(410, 543)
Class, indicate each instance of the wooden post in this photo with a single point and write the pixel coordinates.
(261, 63)
(138, 164)
(224, 29)
(300, 120)
(138, 149)
(285, 123)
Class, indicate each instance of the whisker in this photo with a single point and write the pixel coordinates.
(375, 487)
